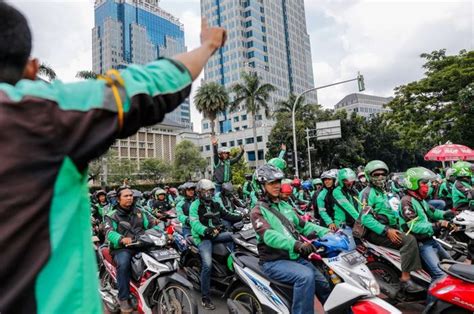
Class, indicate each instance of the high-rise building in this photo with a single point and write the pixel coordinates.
(136, 31)
(266, 37)
(363, 105)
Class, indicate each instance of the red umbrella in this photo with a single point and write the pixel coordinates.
(449, 152)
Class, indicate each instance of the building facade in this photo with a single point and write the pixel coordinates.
(136, 31)
(363, 105)
(266, 37)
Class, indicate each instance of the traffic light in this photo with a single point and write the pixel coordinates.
(301, 161)
(290, 159)
(360, 82)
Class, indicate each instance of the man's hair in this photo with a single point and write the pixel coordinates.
(15, 44)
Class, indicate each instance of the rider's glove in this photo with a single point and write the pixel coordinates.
(209, 233)
(303, 248)
(448, 215)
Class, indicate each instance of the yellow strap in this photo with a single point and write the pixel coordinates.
(412, 221)
(112, 79)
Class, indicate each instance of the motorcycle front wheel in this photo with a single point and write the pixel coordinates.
(247, 298)
(175, 299)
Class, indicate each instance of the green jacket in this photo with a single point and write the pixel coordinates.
(462, 194)
(246, 190)
(416, 215)
(445, 190)
(199, 224)
(346, 208)
(274, 240)
(325, 204)
(382, 216)
(182, 211)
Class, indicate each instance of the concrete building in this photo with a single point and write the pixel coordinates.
(136, 31)
(266, 37)
(364, 105)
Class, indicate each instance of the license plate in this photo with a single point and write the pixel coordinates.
(165, 254)
(353, 258)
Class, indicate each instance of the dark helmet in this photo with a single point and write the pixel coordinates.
(137, 194)
(268, 173)
(248, 176)
(100, 192)
(227, 187)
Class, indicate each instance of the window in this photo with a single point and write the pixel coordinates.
(249, 140)
(240, 142)
(236, 119)
(244, 117)
(258, 117)
(251, 156)
(250, 54)
(232, 143)
(208, 147)
(224, 144)
(248, 24)
(237, 129)
(205, 126)
(244, 127)
(249, 34)
(260, 154)
(250, 44)
(259, 139)
(201, 148)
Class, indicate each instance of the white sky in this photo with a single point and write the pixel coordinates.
(381, 39)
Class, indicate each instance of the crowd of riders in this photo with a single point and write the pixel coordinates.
(401, 211)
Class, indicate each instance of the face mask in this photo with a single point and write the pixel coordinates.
(378, 181)
(207, 195)
(423, 190)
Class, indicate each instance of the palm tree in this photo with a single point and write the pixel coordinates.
(47, 71)
(210, 99)
(254, 94)
(86, 75)
(287, 104)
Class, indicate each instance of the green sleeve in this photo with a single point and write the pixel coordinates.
(322, 208)
(347, 207)
(179, 211)
(196, 225)
(217, 198)
(245, 191)
(112, 236)
(434, 214)
(253, 199)
(371, 223)
(282, 154)
(311, 227)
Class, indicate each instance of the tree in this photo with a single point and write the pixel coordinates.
(188, 161)
(211, 99)
(435, 109)
(155, 169)
(86, 75)
(119, 169)
(254, 95)
(238, 169)
(287, 105)
(47, 71)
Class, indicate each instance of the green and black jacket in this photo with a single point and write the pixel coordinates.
(463, 194)
(222, 170)
(182, 210)
(275, 242)
(382, 216)
(50, 132)
(325, 203)
(346, 208)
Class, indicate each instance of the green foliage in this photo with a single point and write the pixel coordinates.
(121, 169)
(238, 169)
(155, 169)
(86, 75)
(439, 107)
(47, 71)
(210, 99)
(188, 161)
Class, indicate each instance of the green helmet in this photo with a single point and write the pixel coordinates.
(413, 176)
(374, 165)
(278, 162)
(462, 169)
(317, 181)
(346, 174)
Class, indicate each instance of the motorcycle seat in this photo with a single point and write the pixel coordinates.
(253, 263)
(463, 271)
(108, 257)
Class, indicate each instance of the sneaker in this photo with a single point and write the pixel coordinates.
(410, 287)
(207, 304)
(125, 306)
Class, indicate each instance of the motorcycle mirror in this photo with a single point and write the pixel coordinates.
(126, 225)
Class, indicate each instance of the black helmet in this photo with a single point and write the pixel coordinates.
(100, 192)
(189, 185)
(227, 187)
(268, 173)
(248, 176)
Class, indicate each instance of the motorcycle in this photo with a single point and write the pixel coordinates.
(385, 264)
(155, 285)
(459, 239)
(354, 287)
(453, 293)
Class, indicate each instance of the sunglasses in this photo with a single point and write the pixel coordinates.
(378, 174)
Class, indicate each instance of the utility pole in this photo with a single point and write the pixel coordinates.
(309, 153)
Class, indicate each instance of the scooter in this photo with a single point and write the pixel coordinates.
(354, 287)
(156, 286)
(385, 264)
(453, 293)
(460, 240)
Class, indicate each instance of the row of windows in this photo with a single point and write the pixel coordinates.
(248, 140)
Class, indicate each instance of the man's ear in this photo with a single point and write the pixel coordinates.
(31, 69)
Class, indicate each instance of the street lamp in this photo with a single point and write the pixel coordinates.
(361, 83)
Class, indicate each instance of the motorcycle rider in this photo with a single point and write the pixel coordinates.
(120, 237)
(160, 204)
(346, 208)
(361, 181)
(182, 208)
(325, 201)
(112, 198)
(281, 252)
(307, 191)
(382, 224)
(462, 191)
(206, 231)
(247, 188)
(227, 198)
(423, 220)
(446, 187)
(100, 207)
(222, 163)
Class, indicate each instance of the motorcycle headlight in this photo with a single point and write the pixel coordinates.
(370, 284)
(158, 241)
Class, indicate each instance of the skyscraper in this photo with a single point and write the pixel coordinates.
(136, 31)
(268, 37)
